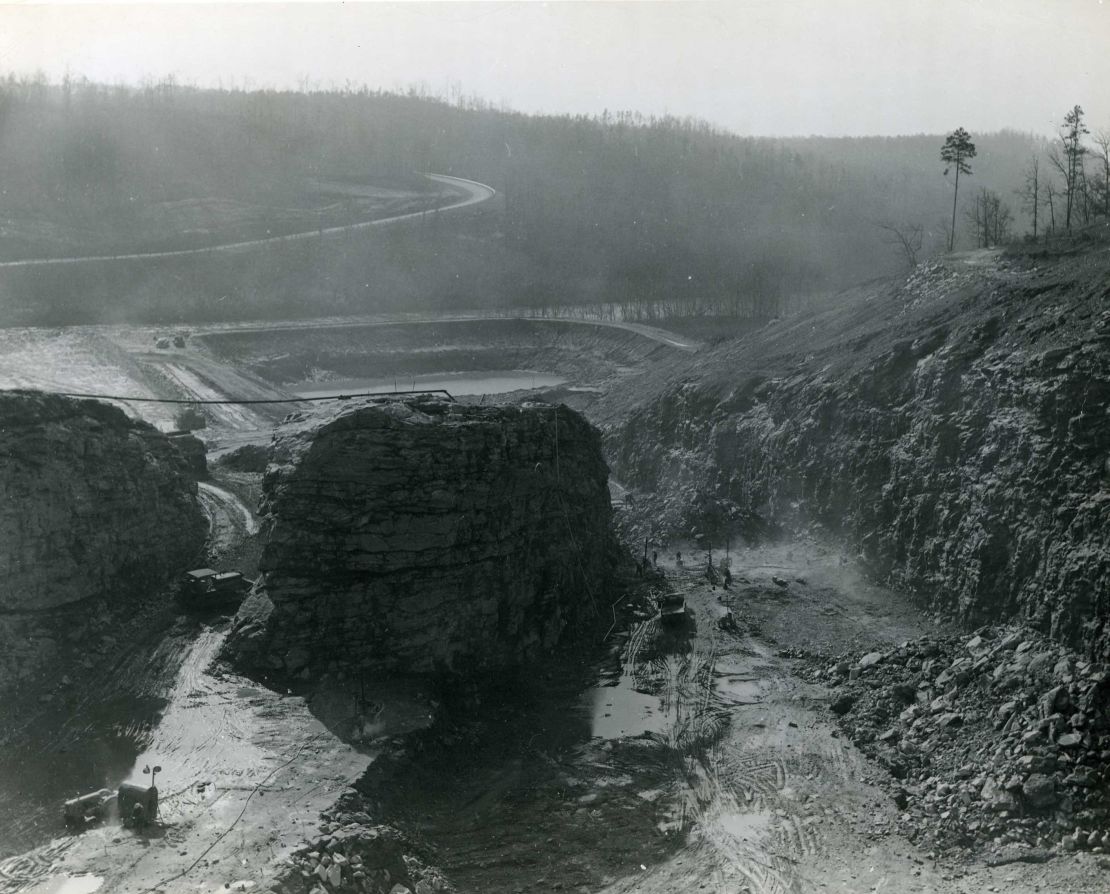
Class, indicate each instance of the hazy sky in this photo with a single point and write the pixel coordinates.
(754, 66)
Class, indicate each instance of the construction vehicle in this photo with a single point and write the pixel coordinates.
(90, 808)
(135, 805)
(206, 588)
(672, 608)
(138, 805)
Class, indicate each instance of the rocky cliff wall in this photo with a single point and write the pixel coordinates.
(426, 536)
(953, 428)
(93, 506)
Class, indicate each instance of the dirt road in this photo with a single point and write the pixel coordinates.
(473, 193)
(188, 375)
(229, 520)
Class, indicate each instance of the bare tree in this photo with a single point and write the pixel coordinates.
(906, 238)
(1050, 195)
(1068, 159)
(1030, 192)
(956, 152)
(1102, 140)
(991, 218)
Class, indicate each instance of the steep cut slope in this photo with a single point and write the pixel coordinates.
(954, 427)
(425, 536)
(93, 505)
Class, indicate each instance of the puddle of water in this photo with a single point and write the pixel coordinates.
(744, 826)
(621, 711)
(457, 383)
(77, 884)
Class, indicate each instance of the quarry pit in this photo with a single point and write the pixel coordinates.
(739, 751)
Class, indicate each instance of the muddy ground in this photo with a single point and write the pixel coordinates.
(682, 758)
(694, 758)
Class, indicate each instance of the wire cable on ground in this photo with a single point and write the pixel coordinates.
(184, 872)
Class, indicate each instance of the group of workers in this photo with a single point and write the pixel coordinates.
(721, 575)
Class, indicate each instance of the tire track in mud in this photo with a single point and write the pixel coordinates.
(745, 767)
(21, 872)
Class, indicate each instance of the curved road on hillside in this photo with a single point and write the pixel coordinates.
(229, 520)
(474, 193)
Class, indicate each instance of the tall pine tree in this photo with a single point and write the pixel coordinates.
(956, 151)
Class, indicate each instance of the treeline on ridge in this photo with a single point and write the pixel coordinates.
(650, 215)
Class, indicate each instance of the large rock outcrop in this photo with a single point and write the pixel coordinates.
(93, 505)
(953, 428)
(426, 536)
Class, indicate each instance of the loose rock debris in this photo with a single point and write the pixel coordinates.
(354, 854)
(997, 740)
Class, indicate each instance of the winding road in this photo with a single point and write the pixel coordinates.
(473, 193)
(229, 519)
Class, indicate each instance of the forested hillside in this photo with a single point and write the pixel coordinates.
(653, 214)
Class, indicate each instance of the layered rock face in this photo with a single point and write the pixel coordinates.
(426, 536)
(92, 505)
(954, 429)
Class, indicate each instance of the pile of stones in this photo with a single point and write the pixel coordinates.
(353, 854)
(996, 738)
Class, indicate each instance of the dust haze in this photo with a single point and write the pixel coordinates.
(517, 447)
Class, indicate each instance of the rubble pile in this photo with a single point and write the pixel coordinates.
(353, 854)
(999, 738)
(425, 536)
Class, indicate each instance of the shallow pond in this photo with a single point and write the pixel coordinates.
(457, 383)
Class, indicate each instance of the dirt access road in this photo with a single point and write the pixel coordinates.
(472, 193)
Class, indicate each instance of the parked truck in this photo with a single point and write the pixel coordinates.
(207, 588)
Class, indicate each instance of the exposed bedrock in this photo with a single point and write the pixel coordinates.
(426, 536)
(94, 506)
(954, 429)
